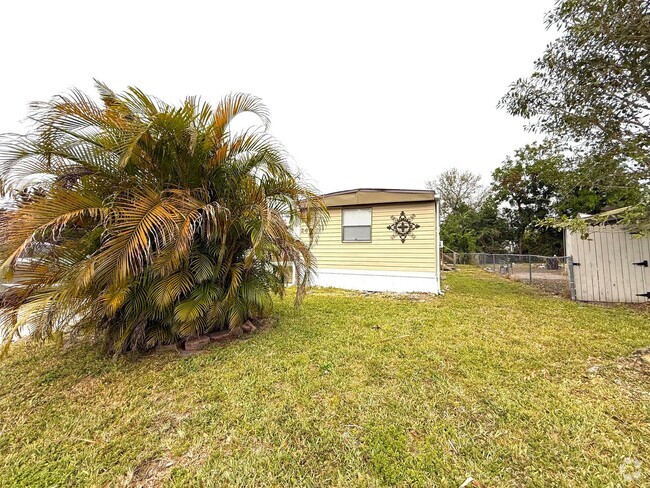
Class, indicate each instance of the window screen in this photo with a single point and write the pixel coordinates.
(357, 224)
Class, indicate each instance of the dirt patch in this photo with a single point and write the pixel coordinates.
(632, 374)
(640, 359)
(555, 284)
(149, 473)
(84, 388)
(523, 276)
(410, 297)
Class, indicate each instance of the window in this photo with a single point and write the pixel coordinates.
(357, 225)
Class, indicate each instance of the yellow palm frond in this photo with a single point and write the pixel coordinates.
(149, 222)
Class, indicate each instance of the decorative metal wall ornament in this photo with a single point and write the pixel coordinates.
(403, 226)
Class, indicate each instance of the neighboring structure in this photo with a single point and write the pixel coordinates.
(612, 264)
(380, 240)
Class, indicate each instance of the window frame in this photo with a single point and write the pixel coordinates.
(344, 226)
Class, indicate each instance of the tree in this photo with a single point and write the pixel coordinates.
(456, 189)
(493, 233)
(540, 184)
(156, 222)
(468, 230)
(528, 184)
(591, 88)
(581, 189)
(458, 230)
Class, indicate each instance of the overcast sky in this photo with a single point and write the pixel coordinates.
(362, 94)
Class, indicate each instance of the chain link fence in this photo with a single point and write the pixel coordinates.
(550, 273)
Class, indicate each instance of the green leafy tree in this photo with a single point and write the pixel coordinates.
(458, 230)
(582, 191)
(591, 89)
(528, 184)
(467, 229)
(457, 189)
(470, 217)
(493, 233)
(155, 223)
(540, 184)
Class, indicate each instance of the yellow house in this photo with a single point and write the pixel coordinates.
(380, 240)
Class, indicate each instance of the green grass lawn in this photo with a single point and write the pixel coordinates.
(494, 380)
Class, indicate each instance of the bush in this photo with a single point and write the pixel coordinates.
(152, 223)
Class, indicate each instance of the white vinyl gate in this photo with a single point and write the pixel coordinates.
(612, 265)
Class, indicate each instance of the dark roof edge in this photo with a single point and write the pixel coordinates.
(388, 190)
(608, 216)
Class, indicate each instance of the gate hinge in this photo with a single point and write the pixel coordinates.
(643, 263)
(647, 295)
(576, 264)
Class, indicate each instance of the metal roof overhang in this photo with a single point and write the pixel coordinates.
(374, 196)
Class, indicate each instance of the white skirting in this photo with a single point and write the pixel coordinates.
(395, 281)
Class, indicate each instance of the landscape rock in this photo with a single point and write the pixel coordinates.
(221, 336)
(248, 327)
(167, 347)
(196, 343)
(261, 323)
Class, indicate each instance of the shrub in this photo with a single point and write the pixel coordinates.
(152, 222)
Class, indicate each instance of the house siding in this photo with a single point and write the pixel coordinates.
(383, 253)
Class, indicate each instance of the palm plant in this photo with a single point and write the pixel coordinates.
(154, 223)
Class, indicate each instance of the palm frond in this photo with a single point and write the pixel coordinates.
(152, 222)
